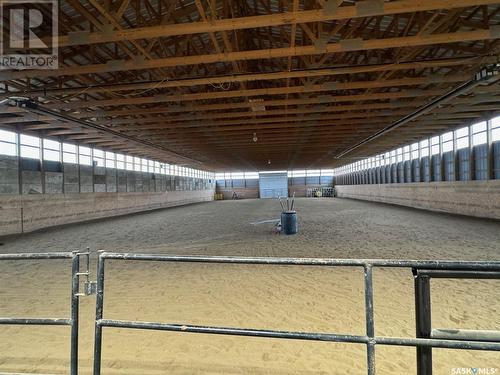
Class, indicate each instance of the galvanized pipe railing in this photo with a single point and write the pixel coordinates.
(422, 277)
(369, 339)
(73, 320)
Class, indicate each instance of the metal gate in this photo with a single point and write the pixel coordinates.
(423, 313)
(471, 340)
(72, 321)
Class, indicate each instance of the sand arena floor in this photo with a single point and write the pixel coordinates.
(289, 298)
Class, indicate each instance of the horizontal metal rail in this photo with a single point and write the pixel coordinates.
(73, 320)
(308, 336)
(457, 274)
(427, 264)
(485, 269)
(233, 331)
(36, 321)
(27, 256)
(438, 343)
(465, 334)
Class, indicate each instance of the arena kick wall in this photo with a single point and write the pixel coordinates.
(36, 199)
(472, 198)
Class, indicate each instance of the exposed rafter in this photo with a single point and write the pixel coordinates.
(190, 82)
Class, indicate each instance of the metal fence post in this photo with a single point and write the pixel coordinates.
(370, 326)
(75, 307)
(99, 305)
(423, 322)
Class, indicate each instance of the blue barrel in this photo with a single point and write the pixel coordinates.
(289, 222)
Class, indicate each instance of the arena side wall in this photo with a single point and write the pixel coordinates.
(473, 198)
(26, 213)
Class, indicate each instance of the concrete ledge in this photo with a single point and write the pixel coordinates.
(26, 213)
(472, 198)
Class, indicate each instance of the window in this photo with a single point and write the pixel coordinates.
(414, 150)
(393, 156)
(137, 164)
(479, 136)
(387, 158)
(129, 163)
(144, 165)
(120, 161)
(110, 160)
(447, 139)
(84, 155)
(399, 154)
(406, 153)
(299, 173)
(168, 169)
(479, 127)
(236, 175)
(424, 148)
(51, 150)
(462, 135)
(479, 139)
(30, 146)
(495, 129)
(8, 143)
(98, 158)
(70, 153)
(434, 145)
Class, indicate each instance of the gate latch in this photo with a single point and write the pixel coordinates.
(89, 287)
